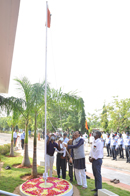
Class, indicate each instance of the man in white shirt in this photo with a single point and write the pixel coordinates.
(65, 140)
(15, 137)
(22, 137)
(95, 157)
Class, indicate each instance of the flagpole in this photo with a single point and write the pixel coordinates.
(46, 175)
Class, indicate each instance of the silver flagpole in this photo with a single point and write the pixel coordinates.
(45, 175)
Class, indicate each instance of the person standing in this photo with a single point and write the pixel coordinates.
(29, 133)
(120, 146)
(18, 139)
(113, 146)
(51, 144)
(61, 159)
(126, 146)
(95, 157)
(79, 160)
(22, 137)
(70, 165)
(15, 137)
(65, 138)
(108, 140)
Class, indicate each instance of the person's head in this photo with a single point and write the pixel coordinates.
(115, 133)
(127, 134)
(120, 135)
(73, 136)
(108, 135)
(64, 135)
(52, 138)
(97, 134)
(77, 134)
(61, 140)
(113, 136)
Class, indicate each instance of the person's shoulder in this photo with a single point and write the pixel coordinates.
(69, 141)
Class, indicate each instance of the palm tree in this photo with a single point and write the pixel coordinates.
(25, 87)
(38, 102)
(61, 105)
(13, 105)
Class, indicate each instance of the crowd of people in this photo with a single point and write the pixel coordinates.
(71, 152)
(116, 144)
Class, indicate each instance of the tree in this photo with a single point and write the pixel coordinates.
(38, 102)
(25, 87)
(13, 105)
(104, 119)
(119, 114)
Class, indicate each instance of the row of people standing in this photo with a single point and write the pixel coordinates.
(117, 144)
(19, 138)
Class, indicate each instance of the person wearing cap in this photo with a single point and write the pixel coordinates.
(79, 160)
(61, 159)
(65, 138)
(120, 146)
(108, 141)
(126, 146)
(50, 152)
(113, 146)
(95, 157)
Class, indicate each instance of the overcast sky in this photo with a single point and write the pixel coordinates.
(88, 48)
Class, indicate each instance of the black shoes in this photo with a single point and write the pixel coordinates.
(94, 190)
(87, 177)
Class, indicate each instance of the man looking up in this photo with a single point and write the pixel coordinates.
(79, 160)
(95, 157)
(50, 153)
(65, 138)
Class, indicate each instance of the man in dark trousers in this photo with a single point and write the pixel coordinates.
(79, 160)
(70, 165)
(61, 160)
(108, 141)
(22, 137)
(95, 157)
(126, 146)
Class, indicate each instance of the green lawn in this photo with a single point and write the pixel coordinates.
(10, 179)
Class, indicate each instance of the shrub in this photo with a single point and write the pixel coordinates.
(4, 149)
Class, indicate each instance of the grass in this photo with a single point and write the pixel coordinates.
(10, 179)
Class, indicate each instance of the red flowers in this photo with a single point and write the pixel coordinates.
(36, 186)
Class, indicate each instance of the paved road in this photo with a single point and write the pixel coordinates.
(111, 169)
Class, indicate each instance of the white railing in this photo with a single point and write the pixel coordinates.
(7, 193)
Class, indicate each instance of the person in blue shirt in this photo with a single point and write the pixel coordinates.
(29, 133)
(65, 138)
(126, 146)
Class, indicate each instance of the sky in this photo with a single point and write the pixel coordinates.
(88, 48)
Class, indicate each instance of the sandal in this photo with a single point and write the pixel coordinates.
(116, 181)
(113, 180)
